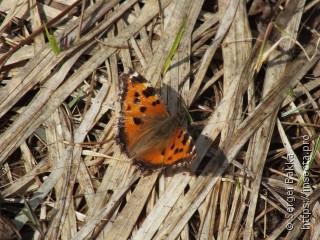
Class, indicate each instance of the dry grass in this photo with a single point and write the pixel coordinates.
(248, 73)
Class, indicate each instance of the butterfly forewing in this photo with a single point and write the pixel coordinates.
(139, 99)
(141, 107)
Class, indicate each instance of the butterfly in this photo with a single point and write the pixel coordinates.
(146, 132)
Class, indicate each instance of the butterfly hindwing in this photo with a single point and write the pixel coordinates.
(181, 148)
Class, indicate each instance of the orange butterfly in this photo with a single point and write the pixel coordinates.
(147, 133)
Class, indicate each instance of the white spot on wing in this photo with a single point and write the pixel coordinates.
(135, 74)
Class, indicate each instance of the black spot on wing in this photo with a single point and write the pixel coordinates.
(172, 146)
(176, 150)
(137, 121)
(154, 103)
(129, 108)
(136, 101)
(148, 92)
(180, 134)
(163, 152)
(143, 109)
(185, 138)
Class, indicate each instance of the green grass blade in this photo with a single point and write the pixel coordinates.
(52, 41)
(32, 217)
(309, 163)
(294, 110)
(174, 47)
(75, 99)
(190, 120)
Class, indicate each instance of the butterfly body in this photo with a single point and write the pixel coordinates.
(147, 132)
